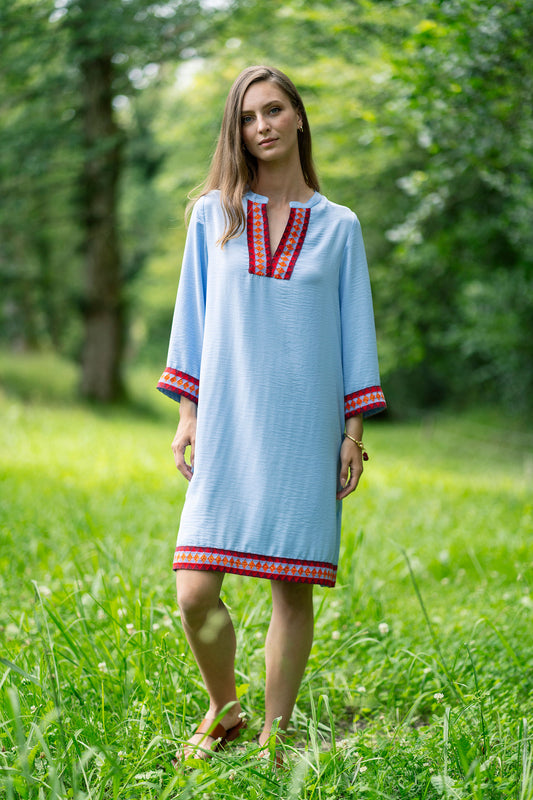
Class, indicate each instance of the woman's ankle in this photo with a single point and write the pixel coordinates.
(230, 718)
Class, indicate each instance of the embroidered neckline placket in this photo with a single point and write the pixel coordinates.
(281, 264)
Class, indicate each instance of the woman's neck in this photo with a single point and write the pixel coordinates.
(281, 185)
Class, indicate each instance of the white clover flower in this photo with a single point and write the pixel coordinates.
(130, 627)
(336, 635)
(344, 744)
(438, 696)
(102, 666)
(361, 689)
(383, 628)
(363, 768)
(33, 709)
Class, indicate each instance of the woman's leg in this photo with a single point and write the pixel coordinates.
(287, 647)
(211, 636)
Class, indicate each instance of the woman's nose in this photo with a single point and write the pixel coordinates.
(262, 123)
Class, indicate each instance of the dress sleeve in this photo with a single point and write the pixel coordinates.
(182, 373)
(362, 390)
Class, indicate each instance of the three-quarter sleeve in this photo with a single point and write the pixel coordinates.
(362, 390)
(181, 376)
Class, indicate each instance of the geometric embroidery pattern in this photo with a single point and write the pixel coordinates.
(173, 382)
(284, 569)
(364, 400)
(281, 264)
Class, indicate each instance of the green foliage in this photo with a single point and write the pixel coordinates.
(422, 124)
(419, 682)
(38, 165)
(48, 157)
(462, 266)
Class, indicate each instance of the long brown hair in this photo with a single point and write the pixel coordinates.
(233, 169)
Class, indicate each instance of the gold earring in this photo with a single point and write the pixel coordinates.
(300, 128)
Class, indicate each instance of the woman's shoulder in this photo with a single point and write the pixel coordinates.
(211, 198)
(334, 212)
(207, 202)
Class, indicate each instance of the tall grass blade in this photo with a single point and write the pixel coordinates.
(26, 675)
(434, 638)
(480, 700)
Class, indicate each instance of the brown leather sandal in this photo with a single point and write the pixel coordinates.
(221, 735)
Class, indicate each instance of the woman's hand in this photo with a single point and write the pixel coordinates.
(351, 458)
(185, 436)
(351, 467)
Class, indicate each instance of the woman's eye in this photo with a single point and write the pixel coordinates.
(275, 110)
(246, 120)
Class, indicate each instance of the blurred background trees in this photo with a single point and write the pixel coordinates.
(422, 122)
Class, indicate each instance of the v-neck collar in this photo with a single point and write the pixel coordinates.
(281, 264)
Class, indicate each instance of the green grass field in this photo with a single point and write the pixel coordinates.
(420, 682)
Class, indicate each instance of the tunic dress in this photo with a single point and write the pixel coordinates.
(276, 351)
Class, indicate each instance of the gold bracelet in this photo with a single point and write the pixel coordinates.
(359, 444)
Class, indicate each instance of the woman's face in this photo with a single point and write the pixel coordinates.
(269, 123)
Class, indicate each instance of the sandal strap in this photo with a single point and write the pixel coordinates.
(216, 732)
(220, 732)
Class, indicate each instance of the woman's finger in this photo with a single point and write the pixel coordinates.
(352, 465)
(178, 449)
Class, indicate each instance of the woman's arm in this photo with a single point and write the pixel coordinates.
(351, 457)
(185, 436)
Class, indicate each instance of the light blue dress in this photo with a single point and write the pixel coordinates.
(276, 351)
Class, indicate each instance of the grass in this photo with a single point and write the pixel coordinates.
(419, 684)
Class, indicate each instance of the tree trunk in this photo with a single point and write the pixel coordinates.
(103, 306)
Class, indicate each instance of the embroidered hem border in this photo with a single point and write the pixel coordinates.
(282, 569)
(366, 401)
(173, 382)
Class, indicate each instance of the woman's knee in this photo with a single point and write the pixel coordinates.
(198, 595)
(292, 599)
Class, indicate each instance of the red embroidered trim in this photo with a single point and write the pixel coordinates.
(291, 243)
(284, 569)
(281, 265)
(363, 401)
(173, 382)
(257, 230)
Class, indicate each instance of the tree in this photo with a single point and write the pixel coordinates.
(107, 49)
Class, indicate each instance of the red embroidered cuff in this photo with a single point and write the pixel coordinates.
(366, 401)
(174, 383)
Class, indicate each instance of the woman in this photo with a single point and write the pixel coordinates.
(273, 359)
